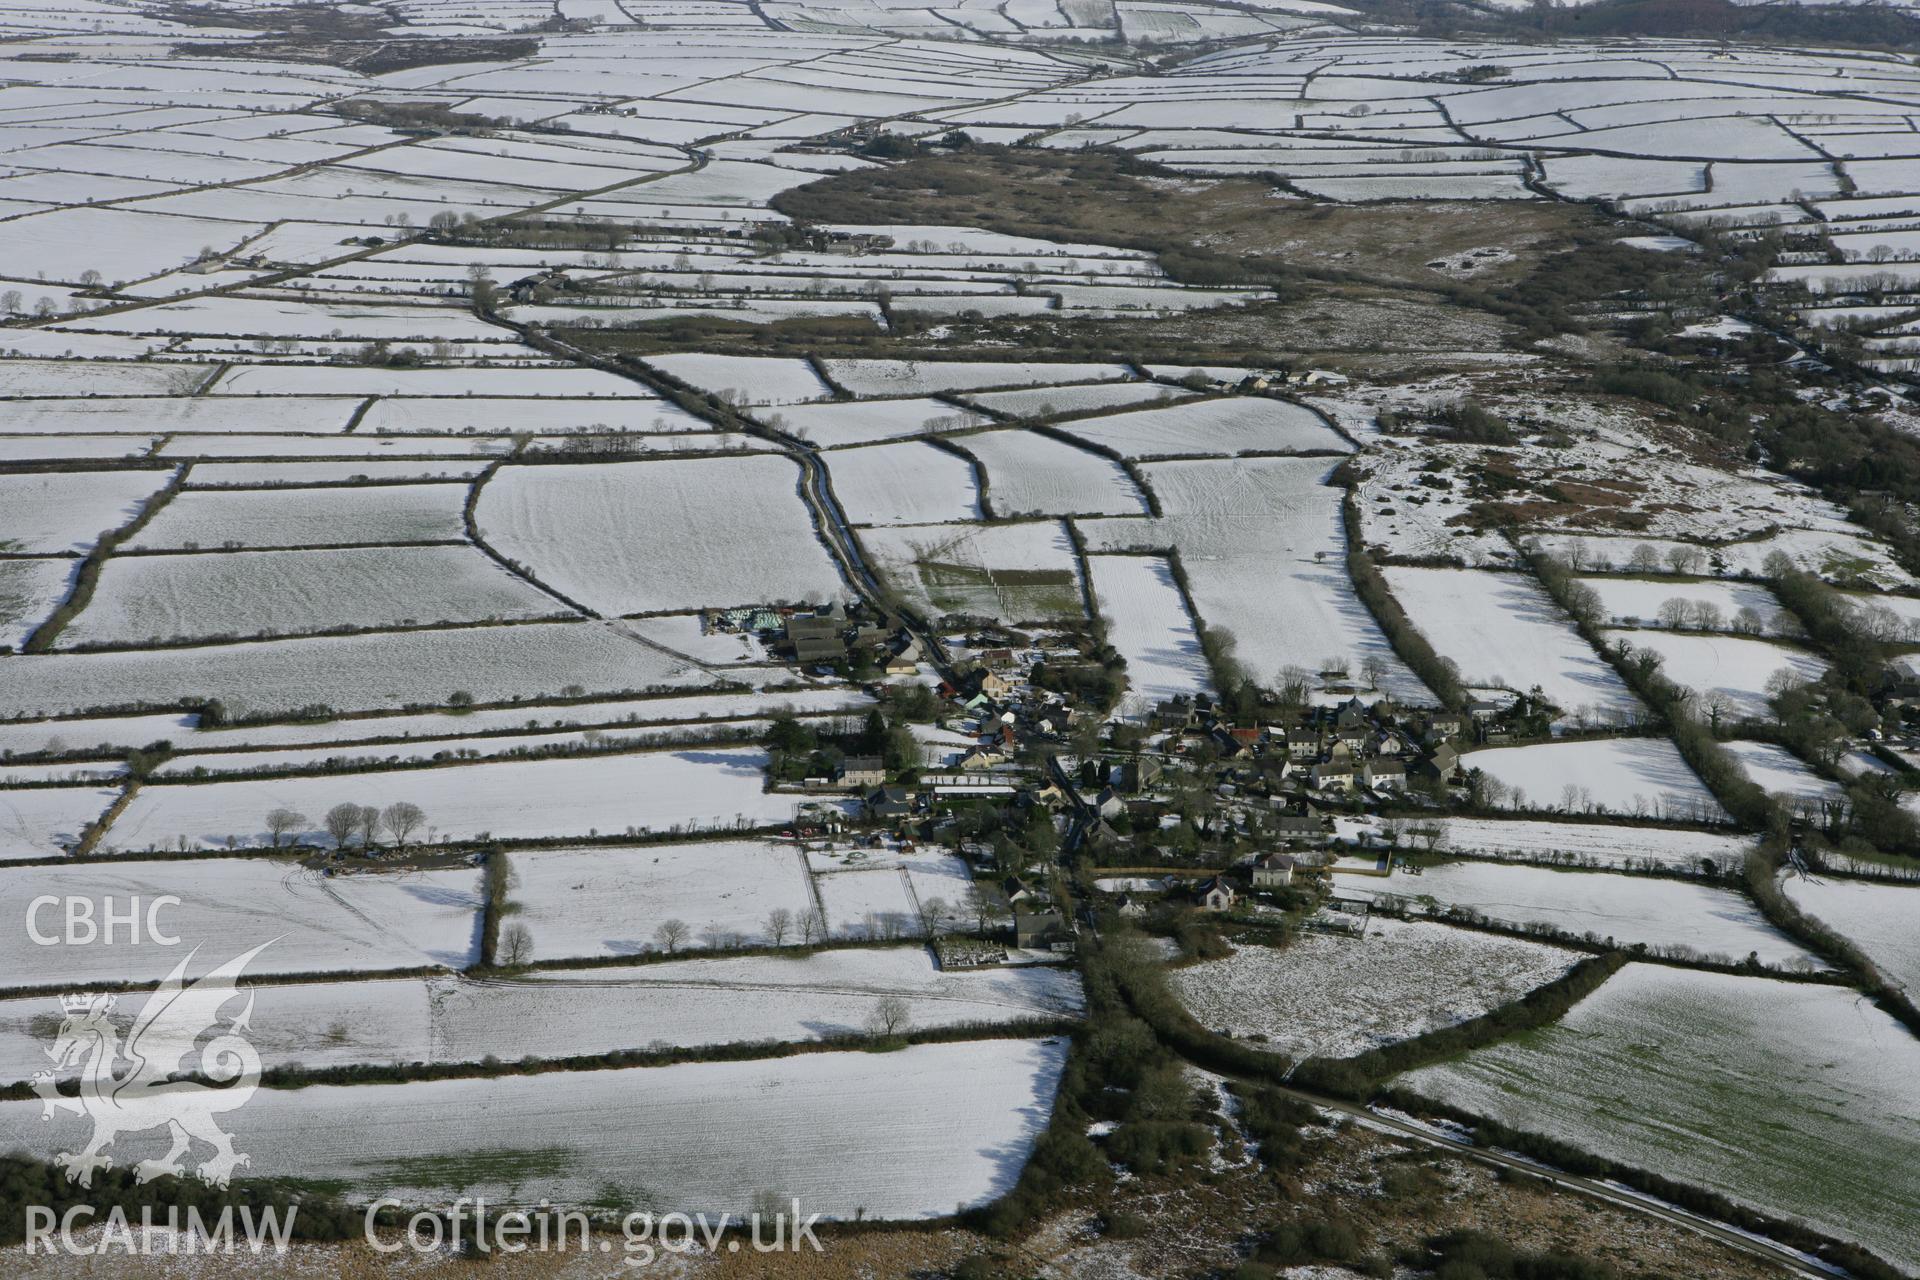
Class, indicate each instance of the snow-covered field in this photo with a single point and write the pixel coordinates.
(1796, 1100)
(1503, 631)
(217, 269)
(1729, 671)
(249, 594)
(1009, 570)
(1884, 919)
(1641, 777)
(1229, 426)
(910, 482)
(610, 902)
(1588, 843)
(29, 591)
(52, 512)
(655, 537)
(1035, 475)
(930, 377)
(1265, 553)
(1674, 915)
(1735, 606)
(349, 673)
(688, 788)
(42, 822)
(1331, 996)
(910, 1134)
(568, 1012)
(1149, 625)
(1779, 772)
(207, 520)
(310, 922)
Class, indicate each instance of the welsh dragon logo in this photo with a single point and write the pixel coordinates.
(130, 1086)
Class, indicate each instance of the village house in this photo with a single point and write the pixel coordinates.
(860, 772)
(1272, 871)
(1384, 773)
(1042, 931)
(885, 803)
(1337, 772)
(1299, 826)
(1214, 894)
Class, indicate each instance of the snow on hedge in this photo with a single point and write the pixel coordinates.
(655, 791)
(50, 512)
(313, 517)
(910, 1134)
(1235, 424)
(656, 537)
(1674, 915)
(1327, 996)
(798, 997)
(1149, 624)
(313, 923)
(1795, 1100)
(1730, 670)
(1884, 919)
(244, 594)
(1504, 631)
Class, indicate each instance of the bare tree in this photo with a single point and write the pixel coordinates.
(516, 946)
(341, 822)
(1673, 612)
(367, 825)
(283, 822)
(401, 819)
(779, 925)
(889, 1017)
(670, 934)
(1644, 558)
(813, 927)
(933, 914)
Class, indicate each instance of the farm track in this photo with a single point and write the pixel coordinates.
(1607, 1193)
(815, 486)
